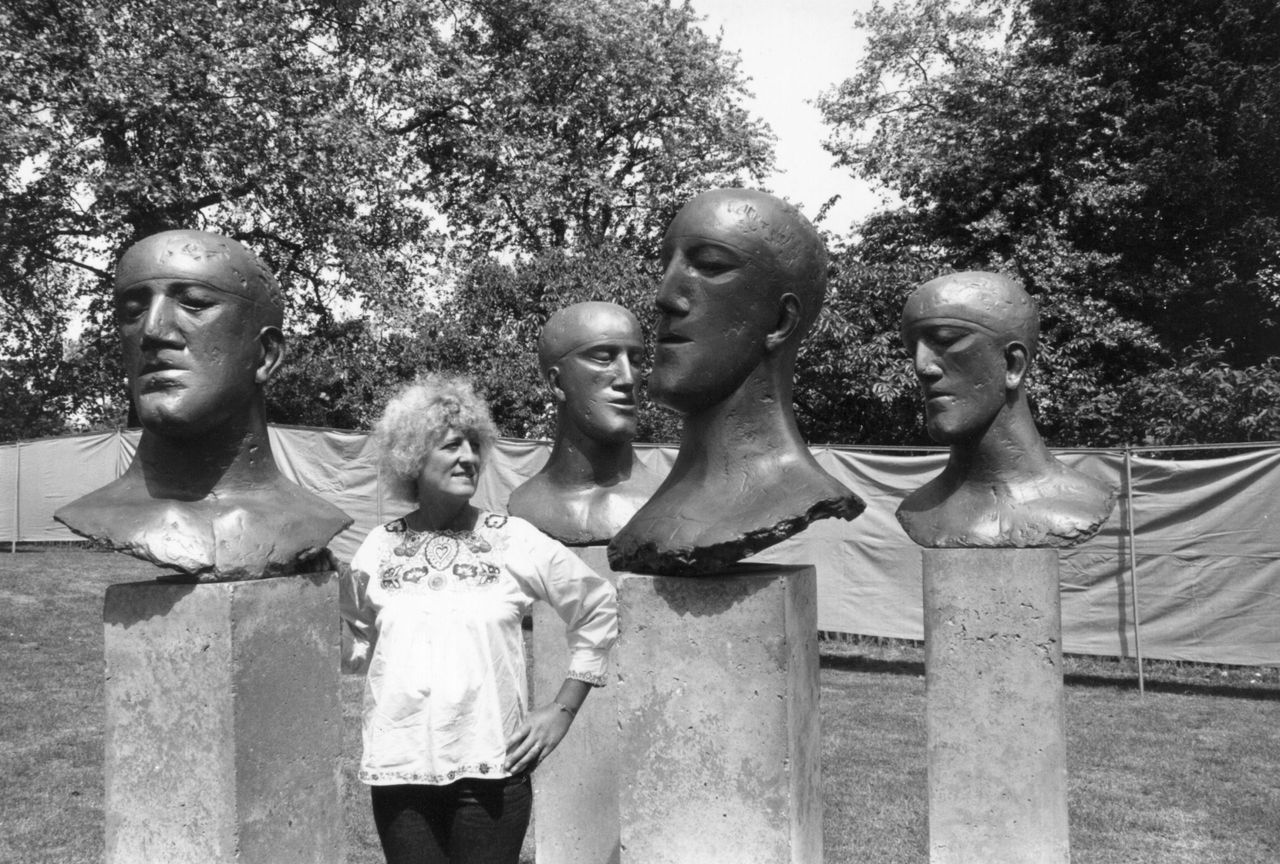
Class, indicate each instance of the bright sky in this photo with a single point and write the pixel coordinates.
(792, 52)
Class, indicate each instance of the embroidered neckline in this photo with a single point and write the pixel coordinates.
(440, 560)
(485, 519)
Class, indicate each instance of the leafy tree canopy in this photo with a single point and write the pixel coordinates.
(1121, 159)
(359, 147)
(581, 122)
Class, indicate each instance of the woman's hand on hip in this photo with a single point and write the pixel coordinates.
(541, 731)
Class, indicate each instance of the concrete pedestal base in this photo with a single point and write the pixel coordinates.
(994, 716)
(575, 794)
(718, 718)
(223, 722)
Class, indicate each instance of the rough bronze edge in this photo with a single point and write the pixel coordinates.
(1049, 541)
(709, 560)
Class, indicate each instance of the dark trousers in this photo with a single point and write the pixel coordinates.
(467, 822)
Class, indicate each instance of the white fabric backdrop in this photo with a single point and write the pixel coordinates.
(1208, 576)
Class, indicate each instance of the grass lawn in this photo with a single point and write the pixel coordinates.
(1190, 772)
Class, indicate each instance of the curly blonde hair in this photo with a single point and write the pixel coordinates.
(420, 414)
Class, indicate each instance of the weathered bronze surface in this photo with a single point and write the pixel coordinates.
(592, 483)
(744, 279)
(199, 317)
(972, 337)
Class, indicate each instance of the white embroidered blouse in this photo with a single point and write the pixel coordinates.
(436, 618)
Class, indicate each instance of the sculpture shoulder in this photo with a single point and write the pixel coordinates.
(694, 525)
(1060, 508)
(529, 497)
(301, 504)
(1069, 509)
(538, 503)
(577, 516)
(1076, 491)
(245, 534)
(102, 512)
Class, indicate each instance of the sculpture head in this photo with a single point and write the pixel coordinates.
(972, 337)
(588, 354)
(200, 319)
(744, 279)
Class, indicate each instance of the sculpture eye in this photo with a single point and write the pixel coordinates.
(195, 299)
(712, 260)
(132, 304)
(945, 336)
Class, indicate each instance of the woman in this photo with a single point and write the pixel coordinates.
(435, 600)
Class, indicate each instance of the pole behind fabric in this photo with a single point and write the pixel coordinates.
(17, 499)
(1133, 563)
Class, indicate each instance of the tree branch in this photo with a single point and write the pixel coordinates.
(58, 259)
(183, 208)
(425, 117)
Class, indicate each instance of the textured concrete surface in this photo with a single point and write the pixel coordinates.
(223, 722)
(994, 716)
(718, 718)
(575, 792)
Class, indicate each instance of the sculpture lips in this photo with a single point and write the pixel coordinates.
(665, 334)
(158, 374)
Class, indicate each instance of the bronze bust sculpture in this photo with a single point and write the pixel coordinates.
(972, 337)
(744, 278)
(592, 483)
(200, 318)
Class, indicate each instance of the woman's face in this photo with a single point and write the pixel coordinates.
(452, 467)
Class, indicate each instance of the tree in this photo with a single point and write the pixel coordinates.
(580, 122)
(488, 328)
(257, 120)
(853, 378)
(1119, 158)
(356, 146)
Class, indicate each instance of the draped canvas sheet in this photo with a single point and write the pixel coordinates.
(1208, 548)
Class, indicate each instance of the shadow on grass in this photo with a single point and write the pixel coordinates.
(858, 663)
(1177, 688)
(915, 669)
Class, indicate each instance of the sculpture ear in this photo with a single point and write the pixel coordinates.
(788, 321)
(553, 384)
(1016, 360)
(272, 342)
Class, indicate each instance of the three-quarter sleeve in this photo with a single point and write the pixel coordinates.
(357, 612)
(584, 600)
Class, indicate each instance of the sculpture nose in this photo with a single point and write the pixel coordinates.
(157, 321)
(926, 361)
(625, 378)
(664, 302)
(671, 298)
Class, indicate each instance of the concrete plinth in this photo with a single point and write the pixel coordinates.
(994, 715)
(575, 793)
(223, 722)
(718, 718)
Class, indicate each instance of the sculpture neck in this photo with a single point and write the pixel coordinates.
(1009, 449)
(234, 456)
(580, 461)
(755, 425)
